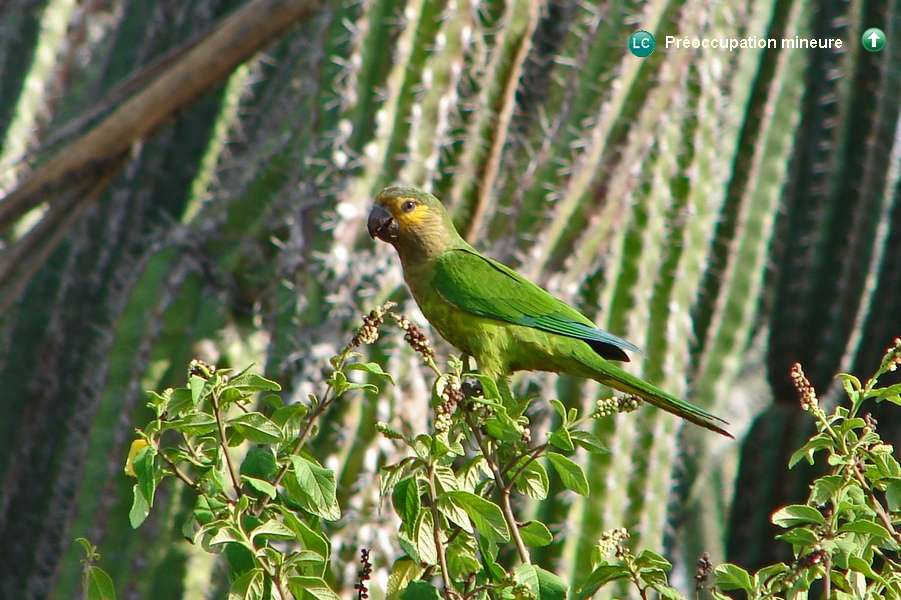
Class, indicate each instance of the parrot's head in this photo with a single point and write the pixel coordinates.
(413, 221)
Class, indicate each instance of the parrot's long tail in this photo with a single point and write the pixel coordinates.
(624, 381)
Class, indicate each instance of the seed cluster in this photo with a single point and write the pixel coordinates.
(415, 337)
(451, 397)
(611, 540)
(616, 404)
(892, 359)
(363, 575)
(201, 369)
(368, 333)
(387, 431)
(702, 574)
(805, 389)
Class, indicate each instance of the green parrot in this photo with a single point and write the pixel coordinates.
(488, 311)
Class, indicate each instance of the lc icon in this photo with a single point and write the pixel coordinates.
(642, 44)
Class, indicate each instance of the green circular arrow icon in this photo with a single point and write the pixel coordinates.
(873, 39)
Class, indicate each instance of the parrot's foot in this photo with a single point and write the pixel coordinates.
(472, 387)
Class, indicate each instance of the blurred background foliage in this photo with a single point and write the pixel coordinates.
(729, 212)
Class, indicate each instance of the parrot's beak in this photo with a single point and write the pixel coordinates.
(381, 224)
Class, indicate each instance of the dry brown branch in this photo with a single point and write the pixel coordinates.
(170, 86)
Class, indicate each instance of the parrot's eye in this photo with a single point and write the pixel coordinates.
(408, 206)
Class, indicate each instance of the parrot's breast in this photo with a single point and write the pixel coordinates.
(484, 339)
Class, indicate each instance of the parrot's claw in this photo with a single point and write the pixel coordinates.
(472, 387)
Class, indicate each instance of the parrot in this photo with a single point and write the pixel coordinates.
(489, 312)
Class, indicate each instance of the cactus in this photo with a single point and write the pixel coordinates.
(648, 192)
(841, 210)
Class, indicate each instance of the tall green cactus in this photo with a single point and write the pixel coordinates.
(645, 191)
(834, 253)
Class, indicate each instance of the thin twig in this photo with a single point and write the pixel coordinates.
(217, 413)
(503, 490)
(877, 506)
(179, 473)
(449, 591)
(327, 398)
(533, 455)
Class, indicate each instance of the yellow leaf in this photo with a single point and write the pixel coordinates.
(129, 462)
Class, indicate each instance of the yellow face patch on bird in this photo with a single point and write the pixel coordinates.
(394, 213)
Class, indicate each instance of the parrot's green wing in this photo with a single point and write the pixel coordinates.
(487, 288)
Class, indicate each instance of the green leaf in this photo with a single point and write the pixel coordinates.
(290, 419)
(887, 393)
(841, 547)
(571, 474)
(651, 560)
(261, 485)
(600, 577)
(799, 536)
(272, 529)
(256, 428)
(404, 571)
(488, 553)
(425, 538)
(825, 488)
(206, 508)
(485, 515)
(667, 592)
(315, 587)
(371, 368)
(884, 464)
(225, 534)
(532, 481)
(766, 573)
(589, 441)
(313, 487)
(733, 577)
(866, 527)
(140, 509)
(259, 463)
(797, 514)
(893, 495)
(310, 538)
(89, 549)
(856, 563)
(544, 584)
(445, 479)
(251, 382)
(462, 561)
(389, 476)
(143, 465)
(200, 388)
(420, 590)
(180, 401)
(194, 423)
(536, 533)
(472, 473)
(502, 427)
(850, 383)
(422, 446)
(407, 503)
(821, 441)
(99, 585)
(561, 439)
(240, 559)
(249, 586)
(561, 410)
(454, 513)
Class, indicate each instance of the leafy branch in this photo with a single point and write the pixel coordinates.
(454, 491)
